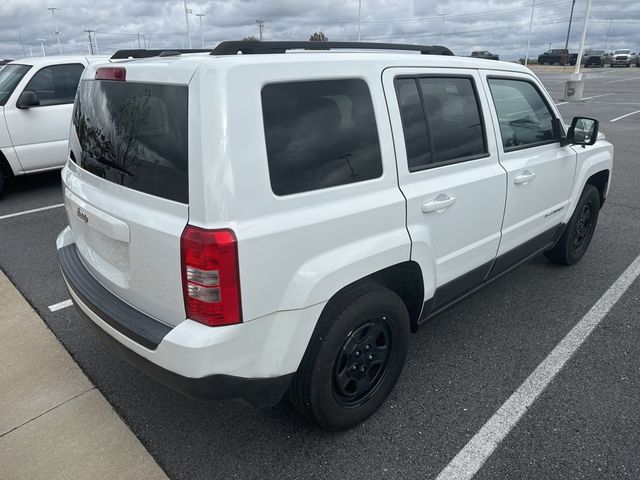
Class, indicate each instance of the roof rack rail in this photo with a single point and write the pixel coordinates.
(257, 47)
(143, 53)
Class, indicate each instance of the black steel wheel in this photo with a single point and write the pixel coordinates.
(354, 357)
(583, 226)
(577, 235)
(362, 362)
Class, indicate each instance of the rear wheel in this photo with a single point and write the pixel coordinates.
(577, 235)
(2, 183)
(354, 357)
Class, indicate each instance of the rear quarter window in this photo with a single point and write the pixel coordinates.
(319, 134)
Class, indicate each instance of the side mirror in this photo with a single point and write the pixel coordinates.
(28, 99)
(583, 131)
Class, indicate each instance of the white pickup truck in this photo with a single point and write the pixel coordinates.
(36, 100)
(250, 225)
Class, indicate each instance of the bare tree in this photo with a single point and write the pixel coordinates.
(250, 38)
(318, 37)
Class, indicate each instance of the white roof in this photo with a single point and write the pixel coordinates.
(57, 59)
(381, 59)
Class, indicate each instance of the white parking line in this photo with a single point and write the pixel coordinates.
(59, 306)
(598, 96)
(624, 116)
(476, 452)
(32, 211)
(623, 80)
(587, 98)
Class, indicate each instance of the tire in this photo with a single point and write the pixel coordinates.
(2, 183)
(365, 326)
(577, 235)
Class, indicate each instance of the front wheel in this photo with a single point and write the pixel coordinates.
(354, 357)
(577, 235)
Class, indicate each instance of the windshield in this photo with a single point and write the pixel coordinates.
(596, 52)
(10, 76)
(622, 51)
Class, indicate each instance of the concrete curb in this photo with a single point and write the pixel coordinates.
(53, 422)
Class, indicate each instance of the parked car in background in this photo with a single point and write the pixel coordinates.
(485, 54)
(36, 101)
(594, 58)
(4, 62)
(573, 58)
(247, 225)
(623, 57)
(556, 55)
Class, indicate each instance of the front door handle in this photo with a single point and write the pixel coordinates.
(524, 178)
(441, 203)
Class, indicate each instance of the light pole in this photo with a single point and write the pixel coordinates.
(607, 39)
(90, 41)
(44, 52)
(566, 44)
(186, 17)
(55, 26)
(576, 72)
(526, 57)
(24, 52)
(359, 14)
(575, 85)
(260, 23)
(200, 15)
(443, 15)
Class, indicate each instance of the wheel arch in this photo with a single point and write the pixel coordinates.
(5, 168)
(405, 280)
(600, 180)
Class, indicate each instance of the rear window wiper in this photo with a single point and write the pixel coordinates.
(113, 165)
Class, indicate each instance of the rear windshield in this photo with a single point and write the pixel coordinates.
(135, 135)
(10, 76)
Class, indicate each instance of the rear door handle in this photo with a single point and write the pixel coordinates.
(524, 178)
(441, 203)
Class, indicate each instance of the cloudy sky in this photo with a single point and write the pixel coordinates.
(499, 26)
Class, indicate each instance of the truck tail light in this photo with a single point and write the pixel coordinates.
(111, 73)
(210, 280)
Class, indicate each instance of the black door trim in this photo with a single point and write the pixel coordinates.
(454, 291)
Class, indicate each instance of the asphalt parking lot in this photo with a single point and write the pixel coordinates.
(462, 366)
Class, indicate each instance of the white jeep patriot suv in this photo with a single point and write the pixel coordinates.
(242, 226)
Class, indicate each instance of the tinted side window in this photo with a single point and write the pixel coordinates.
(414, 125)
(525, 119)
(453, 117)
(319, 134)
(441, 120)
(56, 84)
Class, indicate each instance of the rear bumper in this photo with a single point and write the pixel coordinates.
(254, 361)
(259, 392)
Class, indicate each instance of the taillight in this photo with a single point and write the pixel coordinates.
(111, 73)
(210, 280)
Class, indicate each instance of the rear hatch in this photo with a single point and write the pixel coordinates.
(126, 188)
